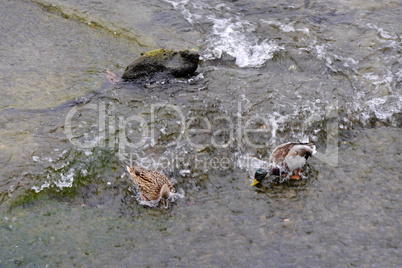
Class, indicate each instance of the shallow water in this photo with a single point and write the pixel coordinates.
(272, 72)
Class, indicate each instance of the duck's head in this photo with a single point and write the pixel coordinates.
(164, 196)
(259, 175)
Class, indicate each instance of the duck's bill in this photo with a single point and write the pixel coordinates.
(255, 182)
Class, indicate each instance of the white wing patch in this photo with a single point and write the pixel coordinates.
(295, 162)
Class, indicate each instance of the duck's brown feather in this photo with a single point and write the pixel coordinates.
(149, 182)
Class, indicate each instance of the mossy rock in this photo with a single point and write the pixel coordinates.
(162, 64)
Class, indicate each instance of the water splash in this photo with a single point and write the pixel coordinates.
(251, 164)
(156, 203)
(233, 37)
(66, 180)
(236, 39)
(385, 107)
(38, 189)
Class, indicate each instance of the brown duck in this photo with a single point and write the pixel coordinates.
(151, 184)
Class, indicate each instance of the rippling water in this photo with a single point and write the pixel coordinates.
(272, 72)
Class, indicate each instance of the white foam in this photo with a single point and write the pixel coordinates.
(236, 39)
(184, 172)
(182, 6)
(233, 36)
(377, 80)
(37, 189)
(66, 180)
(385, 107)
(381, 32)
(286, 28)
(155, 203)
(87, 153)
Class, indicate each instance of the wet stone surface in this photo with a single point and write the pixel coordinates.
(160, 65)
(270, 73)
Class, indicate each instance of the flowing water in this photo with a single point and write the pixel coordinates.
(271, 72)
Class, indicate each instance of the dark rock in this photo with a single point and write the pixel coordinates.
(162, 64)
